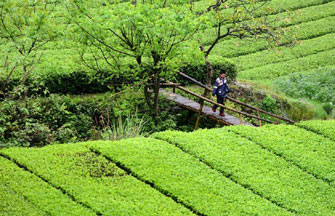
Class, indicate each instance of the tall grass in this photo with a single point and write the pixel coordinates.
(123, 128)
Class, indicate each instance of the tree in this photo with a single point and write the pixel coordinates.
(25, 28)
(8, 72)
(149, 34)
(154, 34)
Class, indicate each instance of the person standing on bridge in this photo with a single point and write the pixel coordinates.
(220, 90)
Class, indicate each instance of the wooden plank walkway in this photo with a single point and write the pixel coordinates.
(206, 111)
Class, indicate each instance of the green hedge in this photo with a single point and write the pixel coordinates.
(41, 196)
(276, 70)
(235, 47)
(83, 82)
(295, 17)
(93, 180)
(205, 190)
(199, 71)
(256, 168)
(12, 203)
(282, 54)
(277, 6)
(76, 82)
(311, 152)
(326, 128)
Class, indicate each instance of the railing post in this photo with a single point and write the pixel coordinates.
(199, 114)
(259, 116)
(174, 89)
(240, 116)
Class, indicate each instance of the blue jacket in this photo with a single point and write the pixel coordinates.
(220, 87)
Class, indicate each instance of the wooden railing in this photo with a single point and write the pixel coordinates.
(258, 110)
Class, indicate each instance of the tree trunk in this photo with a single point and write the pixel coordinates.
(210, 72)
(156, 92)
(25, 94)
(25, 76)
(147, 96)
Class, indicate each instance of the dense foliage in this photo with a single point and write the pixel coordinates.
(79, 47)
(33, 194)
(55, 119)
(325, 128)
(316, 85)
(273, 170)
(63, 119)
(256, 169)
(63, 59)
(92, 180)
(312, 153)
(203, 189)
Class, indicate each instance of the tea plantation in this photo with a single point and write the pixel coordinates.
(272, 170)
(312, 23)
(76, 71)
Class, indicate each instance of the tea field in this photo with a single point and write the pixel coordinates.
(312, 23)
(272, 170)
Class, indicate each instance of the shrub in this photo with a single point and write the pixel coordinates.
(86, 177)
(313, 153)
(48, 120)
(318, 85)
(269, 104)
(326, 128)
(34, 193)
(183, 176)
(260, 170)
(199, 71)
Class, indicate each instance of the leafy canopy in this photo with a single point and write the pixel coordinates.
(150, 35)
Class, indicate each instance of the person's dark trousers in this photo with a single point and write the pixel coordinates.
(220, 100)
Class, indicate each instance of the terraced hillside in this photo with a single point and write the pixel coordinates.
(312, 22)
(273, 170)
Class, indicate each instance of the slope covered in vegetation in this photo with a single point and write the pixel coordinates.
(273, 170)
(311, 22)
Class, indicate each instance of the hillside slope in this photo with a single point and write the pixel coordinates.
(312, 22)
(273, 170)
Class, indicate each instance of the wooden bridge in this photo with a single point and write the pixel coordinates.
(201, 109)
(206, 111)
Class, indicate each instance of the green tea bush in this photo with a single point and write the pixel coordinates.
(11, 203)
(304, 31)
(42, 197)
(307, 47)
(255, 167)
(276, 70)
(310, 151)
(199, 71)
(179, 174)
(276, 6)
(326, 128)
(89, 178)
